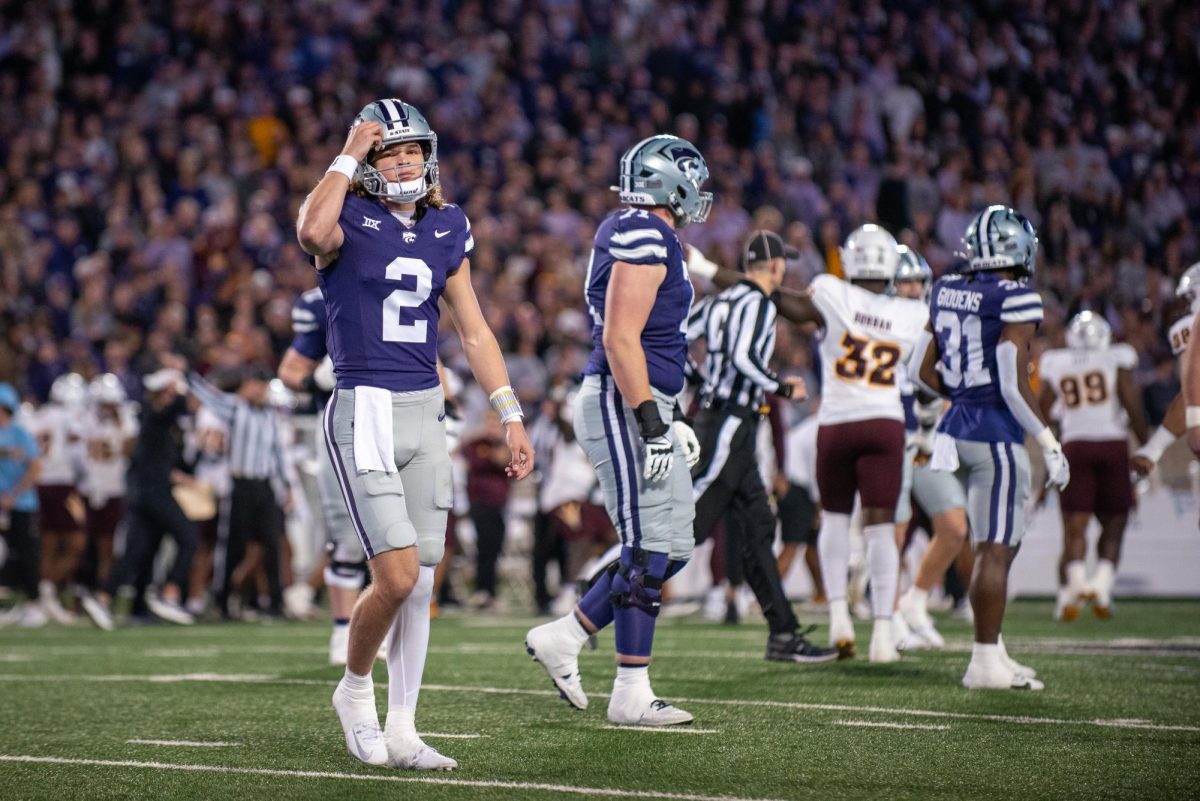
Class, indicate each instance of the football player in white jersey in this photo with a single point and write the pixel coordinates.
(1177, 420)
(1190, 364)
(55, 425)
(1092, 381)
(108, 433)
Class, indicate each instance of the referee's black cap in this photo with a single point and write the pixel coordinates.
(766, 245)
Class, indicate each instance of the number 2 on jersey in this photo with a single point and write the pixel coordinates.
(874, 361)
(393, 305)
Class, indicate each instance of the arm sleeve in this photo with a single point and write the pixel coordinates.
(745, 358)
(1010, 388)
(222, 404)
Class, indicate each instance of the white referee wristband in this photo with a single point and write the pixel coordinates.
(1192, 416)
(1047, 440)
(1159, 441)
(344, 165)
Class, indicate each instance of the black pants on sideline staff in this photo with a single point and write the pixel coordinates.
(489, 541)
(728, 476)
(254, 516)
(24, 552)
(148, 515)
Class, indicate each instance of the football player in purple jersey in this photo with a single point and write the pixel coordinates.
(387, 247)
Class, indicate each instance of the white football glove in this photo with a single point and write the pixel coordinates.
(687, 438)
(659, 453)
(324, 377)
(1058, 472)
(697, 264)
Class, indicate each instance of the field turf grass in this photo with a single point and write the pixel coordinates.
(1119, 718)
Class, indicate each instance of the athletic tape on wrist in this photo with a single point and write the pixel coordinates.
(1159, 441)
(1192, 416)
(505, 402)
(344, 165)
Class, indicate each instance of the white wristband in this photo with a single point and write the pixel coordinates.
(1192, 416)
(697, 264)
(344, 165)
(505, 402)
(1159, 441)
(1046, 439)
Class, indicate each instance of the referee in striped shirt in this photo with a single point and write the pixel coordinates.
(258, 468)
(738, 326)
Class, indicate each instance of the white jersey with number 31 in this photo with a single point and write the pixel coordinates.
(1085, 382)
(867, 339)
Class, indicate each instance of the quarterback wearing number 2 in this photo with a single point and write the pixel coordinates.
(387, 247)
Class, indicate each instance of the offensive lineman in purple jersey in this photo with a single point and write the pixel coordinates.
(387, 247)
(981, 324)
(638, 295)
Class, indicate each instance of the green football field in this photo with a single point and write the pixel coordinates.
(242, 711)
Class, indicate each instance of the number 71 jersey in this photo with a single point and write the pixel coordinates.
(968, 314)
(867, 340)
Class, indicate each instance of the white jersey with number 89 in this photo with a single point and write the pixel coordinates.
(867, 340)
(1085, 383)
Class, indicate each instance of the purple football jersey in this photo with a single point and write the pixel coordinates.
(382, 292)
(968, 314)
(638, 237)
(309, 324)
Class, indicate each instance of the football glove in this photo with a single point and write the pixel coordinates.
(687, 438)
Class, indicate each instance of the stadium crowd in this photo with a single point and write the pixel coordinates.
(153, 158)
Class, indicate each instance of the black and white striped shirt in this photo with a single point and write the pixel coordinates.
(738, 326)
(255, 441)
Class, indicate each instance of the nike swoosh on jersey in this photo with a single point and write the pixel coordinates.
(440, 234)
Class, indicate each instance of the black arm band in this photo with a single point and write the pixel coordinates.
(786, 390)
(650, 423)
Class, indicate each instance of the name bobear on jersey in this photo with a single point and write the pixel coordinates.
(382, 293)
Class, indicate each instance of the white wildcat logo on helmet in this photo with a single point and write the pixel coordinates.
(1088, 331)
(870, 254)
(1000, 238)
(401, 123)
(1189, 287)
(665, 170)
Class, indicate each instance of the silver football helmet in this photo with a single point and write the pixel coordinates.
(107, 389)
(870, 254)
(913, 267)
(665, 170)
(68, 389)
(1088, 331)
(1189, 287)
(401, 122)
(1000, 238)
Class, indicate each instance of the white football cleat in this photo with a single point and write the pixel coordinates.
(360, 724)
(841, 630)
(33, 616)
(97, 611)
(883, 645)
(339, 646)
(406, 750)
(920, 624)
(169, 611)
(635, 709)
(1067, 605)
(1012, 664)
(298, 601)
(998, 677)
(48, 598)
(559, 656)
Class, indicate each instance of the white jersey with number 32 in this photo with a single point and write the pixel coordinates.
(1085, 383)
(867, 339)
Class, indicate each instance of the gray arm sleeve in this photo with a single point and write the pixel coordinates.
(1006, 362)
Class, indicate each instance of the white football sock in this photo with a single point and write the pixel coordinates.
(572, 630)
(987, 655)
(1076, 577)
(358, 685)
(883, 560)
(833, 546)
(1103, 578)
(401, 722)
(408, 643)
(632, 679)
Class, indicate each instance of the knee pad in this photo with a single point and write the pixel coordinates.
(346, 575)
(431, 549)
(639, 579)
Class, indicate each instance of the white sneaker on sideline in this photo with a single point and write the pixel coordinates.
(33, 616)
(883, 645)
(51, 605)
(360, 724)
(642, 709)
(925, 633)
(169, 611)
(998, 677)
(97, 611)
(298, 601)
(559, 656)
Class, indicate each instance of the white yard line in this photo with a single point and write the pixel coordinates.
(663, 729)
(614, 792)
(451, 736)
(185, 743)
(745, 702)
(883, 724)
